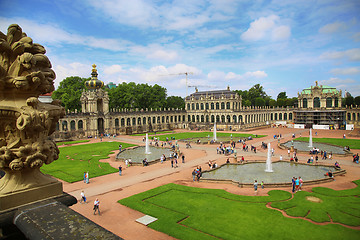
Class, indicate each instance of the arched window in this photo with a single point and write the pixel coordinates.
(139, 121)
(349, 117)
(272, 117)
(122, 122)
(197, 106)
(217, 118)
(197, 118)
(188, 106)
(240, 119)
(149, 120)
(72, 125)
(280, 116)
(162, 119)
(336, 102)
(304, 103)
(207, 118)
(285, 116)
(222, 118)
(154, 120)
(171, 119)
(192, 106)
(276, 116)
(228, 118)
(189, 118)
(316, 102)
(206, 106)
(201, 106)
(202, 118)
(212, 105)
(193, 118)
(290, 116)
(329, 102)
(222, 105)
(217, 106)
(144, 120)
(227, 105)
(234, 118)
(133, 121)
(116, 122)
(128, 122)
(167, 119)
(212, 118)
(64, 126)
(80, 124)
(158, 119)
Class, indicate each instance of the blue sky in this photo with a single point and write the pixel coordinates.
(283, 45)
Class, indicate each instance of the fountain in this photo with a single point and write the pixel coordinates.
(215, 132)
(147, 151)
(310, 139)
(268, 160)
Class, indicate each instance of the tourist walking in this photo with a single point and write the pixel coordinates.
(96, 206)
(87, 177)
(255, 186)
(293, 184)
(183, 158)
(83, 198)
(120, 170)
(194, 174)
(84, 177)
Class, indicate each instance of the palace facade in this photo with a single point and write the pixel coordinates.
(318, 105)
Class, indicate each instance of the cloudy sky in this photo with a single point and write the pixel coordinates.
(283, 45)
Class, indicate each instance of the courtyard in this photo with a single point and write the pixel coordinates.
(111, 188)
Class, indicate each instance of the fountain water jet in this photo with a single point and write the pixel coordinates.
(268, 160)
(310, 139)
(147, 151)
(215, 132)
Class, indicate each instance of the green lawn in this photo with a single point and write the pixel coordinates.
(75, 160)
(72, 142)
(352, 143)
(152, 133)
(196, 213)
(204, 135)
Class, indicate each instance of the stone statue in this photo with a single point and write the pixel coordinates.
(25, 123)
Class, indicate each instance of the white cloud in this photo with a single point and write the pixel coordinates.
(163, 55)
(346, 71)
(64, 70)
(336, 81)
(264, 27)
(52, 34)
(332, 27)
(351, 54)
(256, 74)
(113, 69)
(281, 33)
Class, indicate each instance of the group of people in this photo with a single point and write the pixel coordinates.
(196, 173)
(226, 150)
(296, 184)
(96, 202)
(256, 185)
(356, 158)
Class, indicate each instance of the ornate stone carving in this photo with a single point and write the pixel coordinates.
(25, 123)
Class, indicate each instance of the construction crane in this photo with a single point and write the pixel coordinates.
(186, 78)
(197, 87)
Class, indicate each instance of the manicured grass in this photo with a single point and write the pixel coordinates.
(341, 206)
(72, 142)
(75, 160)
(196, 213)
(204, 135)
(352, 143)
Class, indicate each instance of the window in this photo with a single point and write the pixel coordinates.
(116, 122)
(304, 103)
(316, 102)
(227, 105)
(329, 102)
(206, 106)
(201, 106)
(122, 122)
(217, 106)
(336, 102)
(222, 105)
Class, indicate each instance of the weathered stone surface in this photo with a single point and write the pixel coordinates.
(52, 220)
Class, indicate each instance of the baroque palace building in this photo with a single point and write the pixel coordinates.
(318, 105)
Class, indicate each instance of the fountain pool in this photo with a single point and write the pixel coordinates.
(283, 172)
(138, 154)
(304, 147)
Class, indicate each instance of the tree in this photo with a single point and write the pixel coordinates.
(259, 101)
(349, 100)
(281, 102)
(69, 92)
(357, 101)
(175, 102)
(256, 91)
(282, 95)
(272, 103)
